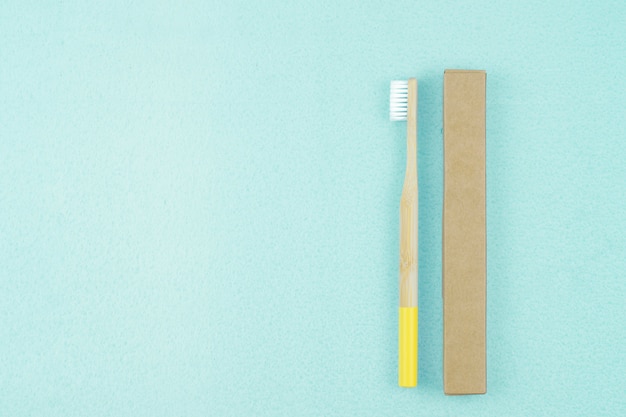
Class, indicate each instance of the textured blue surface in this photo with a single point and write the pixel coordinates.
(199, 206)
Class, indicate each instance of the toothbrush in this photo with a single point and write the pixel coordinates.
(403, 106)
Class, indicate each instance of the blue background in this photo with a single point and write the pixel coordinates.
(199, 206)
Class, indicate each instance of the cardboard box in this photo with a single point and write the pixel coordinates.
(464, 235)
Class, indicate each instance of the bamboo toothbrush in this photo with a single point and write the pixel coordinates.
(403, 106)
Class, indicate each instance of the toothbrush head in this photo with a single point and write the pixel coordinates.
(398, 100)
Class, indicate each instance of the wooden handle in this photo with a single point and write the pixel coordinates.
(408, 207)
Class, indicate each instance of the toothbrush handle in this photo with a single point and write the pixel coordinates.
(408, 317)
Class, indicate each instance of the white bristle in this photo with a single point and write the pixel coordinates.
(398, 100)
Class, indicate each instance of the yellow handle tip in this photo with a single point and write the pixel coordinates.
(407, 347)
